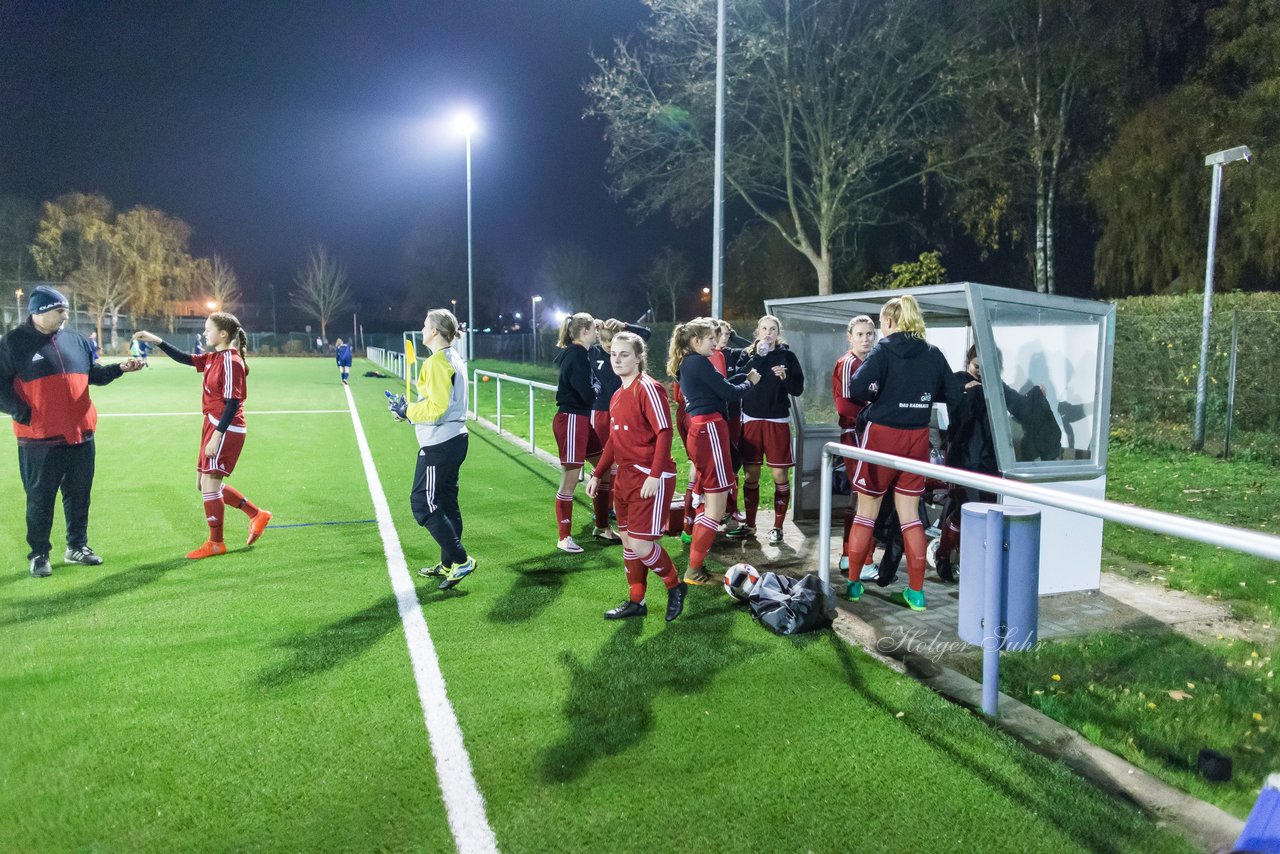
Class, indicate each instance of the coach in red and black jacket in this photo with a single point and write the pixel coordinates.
(45, 374)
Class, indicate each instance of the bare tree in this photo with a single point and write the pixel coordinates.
(668, 278)
(219, 281)
(829, 108)
(320, 288)
(569, 271)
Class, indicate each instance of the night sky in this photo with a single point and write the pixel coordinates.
(271, 126)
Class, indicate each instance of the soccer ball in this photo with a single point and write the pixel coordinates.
(739, 580)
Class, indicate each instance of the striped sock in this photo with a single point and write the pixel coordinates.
(913, 545)
(564, 514)
(635, 575)
(860, 542)
(704, 534)
(213, 512)
(781, 501)
(751, 501)
(660, 562)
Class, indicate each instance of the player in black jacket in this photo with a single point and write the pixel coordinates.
(575, 395)
(606, 382)
(766, 424)
(903, 377)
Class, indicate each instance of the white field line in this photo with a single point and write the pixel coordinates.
(463, 803)
(254, 412)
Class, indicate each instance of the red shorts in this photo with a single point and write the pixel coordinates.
(709, 452)
(875, 481)
(642, 518)
(577, 441)
(766, 440)
(682, 427)
(223, 462)
(850, 437)
(600, 421)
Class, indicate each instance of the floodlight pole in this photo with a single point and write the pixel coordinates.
(471, 318)
(1217, 160)
(533, 323)
(717, 226)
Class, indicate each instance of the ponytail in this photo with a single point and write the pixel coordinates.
(443, 321)
(905, 313)
(228, 323)
(682, 337)
(572, 327)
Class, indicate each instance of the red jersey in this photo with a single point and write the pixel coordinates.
(224, 377)
(848, 408)
(640, 429)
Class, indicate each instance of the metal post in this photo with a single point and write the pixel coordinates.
(1231, 380)
(717, 226)
(471, 318)
(531, 419)
(824, 519)
(1202, 379)
(499, 383)
(992, 620)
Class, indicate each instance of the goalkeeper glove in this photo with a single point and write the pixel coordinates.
(397, 404)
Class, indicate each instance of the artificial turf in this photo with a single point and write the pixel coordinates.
(264, 700)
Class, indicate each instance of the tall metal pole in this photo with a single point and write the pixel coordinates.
(533, 323)
(1202, 379)
(471, 316)
(717, 226)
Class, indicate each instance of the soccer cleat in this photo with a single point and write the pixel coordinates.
(870, 572)
(853, 590)
(40, 567)
(743, 530)
(697, 577)
(675, 600)
(257, 525)
(437, 571)
(82, 555)
(913, 599)
(625, 610)
(459, 572)
(608, 535)
(775, 537)
(568, 545)
(844, 563)
(686, 537)
(209, 549)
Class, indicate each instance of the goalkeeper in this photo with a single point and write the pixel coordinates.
(440, 420)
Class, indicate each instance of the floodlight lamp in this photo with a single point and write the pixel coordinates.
(465, 124)
(537, 299)
(1229, 155)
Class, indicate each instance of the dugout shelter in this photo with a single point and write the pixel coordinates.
(1026, 339)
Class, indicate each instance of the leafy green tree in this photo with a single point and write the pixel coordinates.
(925, 270)
(1152, 188)
(829, 108)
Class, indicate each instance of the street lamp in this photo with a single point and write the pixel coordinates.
(466, 125)
(533, 323)
(1217, 160)
(211, 305)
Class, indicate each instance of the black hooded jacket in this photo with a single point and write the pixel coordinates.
(903, 377)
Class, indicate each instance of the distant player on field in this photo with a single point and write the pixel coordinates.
(640, 444)
(223, 434)
(343, 354)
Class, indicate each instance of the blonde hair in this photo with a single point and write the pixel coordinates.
(682, 337)
(862, 318)
(905, 314)
(572, 327)
(636, 343)
(724, 326)
(610, 328)
(776, 322)
(443, 321)
(228, 323)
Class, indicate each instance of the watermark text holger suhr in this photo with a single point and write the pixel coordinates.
(933, 646)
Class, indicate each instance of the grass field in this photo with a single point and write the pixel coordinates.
(265, 700)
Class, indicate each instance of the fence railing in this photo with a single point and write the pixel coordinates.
(498, 380)
(1224, 536)
(388, 360)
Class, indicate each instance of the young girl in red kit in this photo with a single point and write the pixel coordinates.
(639, 445)
(223, 424)
(575, 394)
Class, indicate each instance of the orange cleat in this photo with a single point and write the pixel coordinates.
(209, 549)
(257, 525)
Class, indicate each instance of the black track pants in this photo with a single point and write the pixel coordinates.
(434, 498)
(45, 470)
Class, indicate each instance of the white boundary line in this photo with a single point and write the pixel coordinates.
(463, 803)
(253, 412)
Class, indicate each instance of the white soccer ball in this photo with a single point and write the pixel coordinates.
(739, 580)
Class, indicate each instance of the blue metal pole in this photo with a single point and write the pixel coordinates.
(992, 629)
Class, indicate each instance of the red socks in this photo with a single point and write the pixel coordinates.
(564, 514)
(751, 501)
(781, 501)
(635, 576)
(913, 545)
(232, 497)
(860, 542)
(704, 534)
(602, 502)
(213, 512)
(660, 562)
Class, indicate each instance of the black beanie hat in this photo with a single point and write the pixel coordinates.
(44, 298)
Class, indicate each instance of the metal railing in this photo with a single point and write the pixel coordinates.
(499, 379)
(387, 359)
(1224, 536)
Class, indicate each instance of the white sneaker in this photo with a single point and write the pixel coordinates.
(870, 572)
(607, 534)
(568, 545)
(844, 563)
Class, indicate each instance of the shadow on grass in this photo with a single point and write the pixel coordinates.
(316, 652)
(107, 586)
(1036, 785)
(539, 581)
(610, 704)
